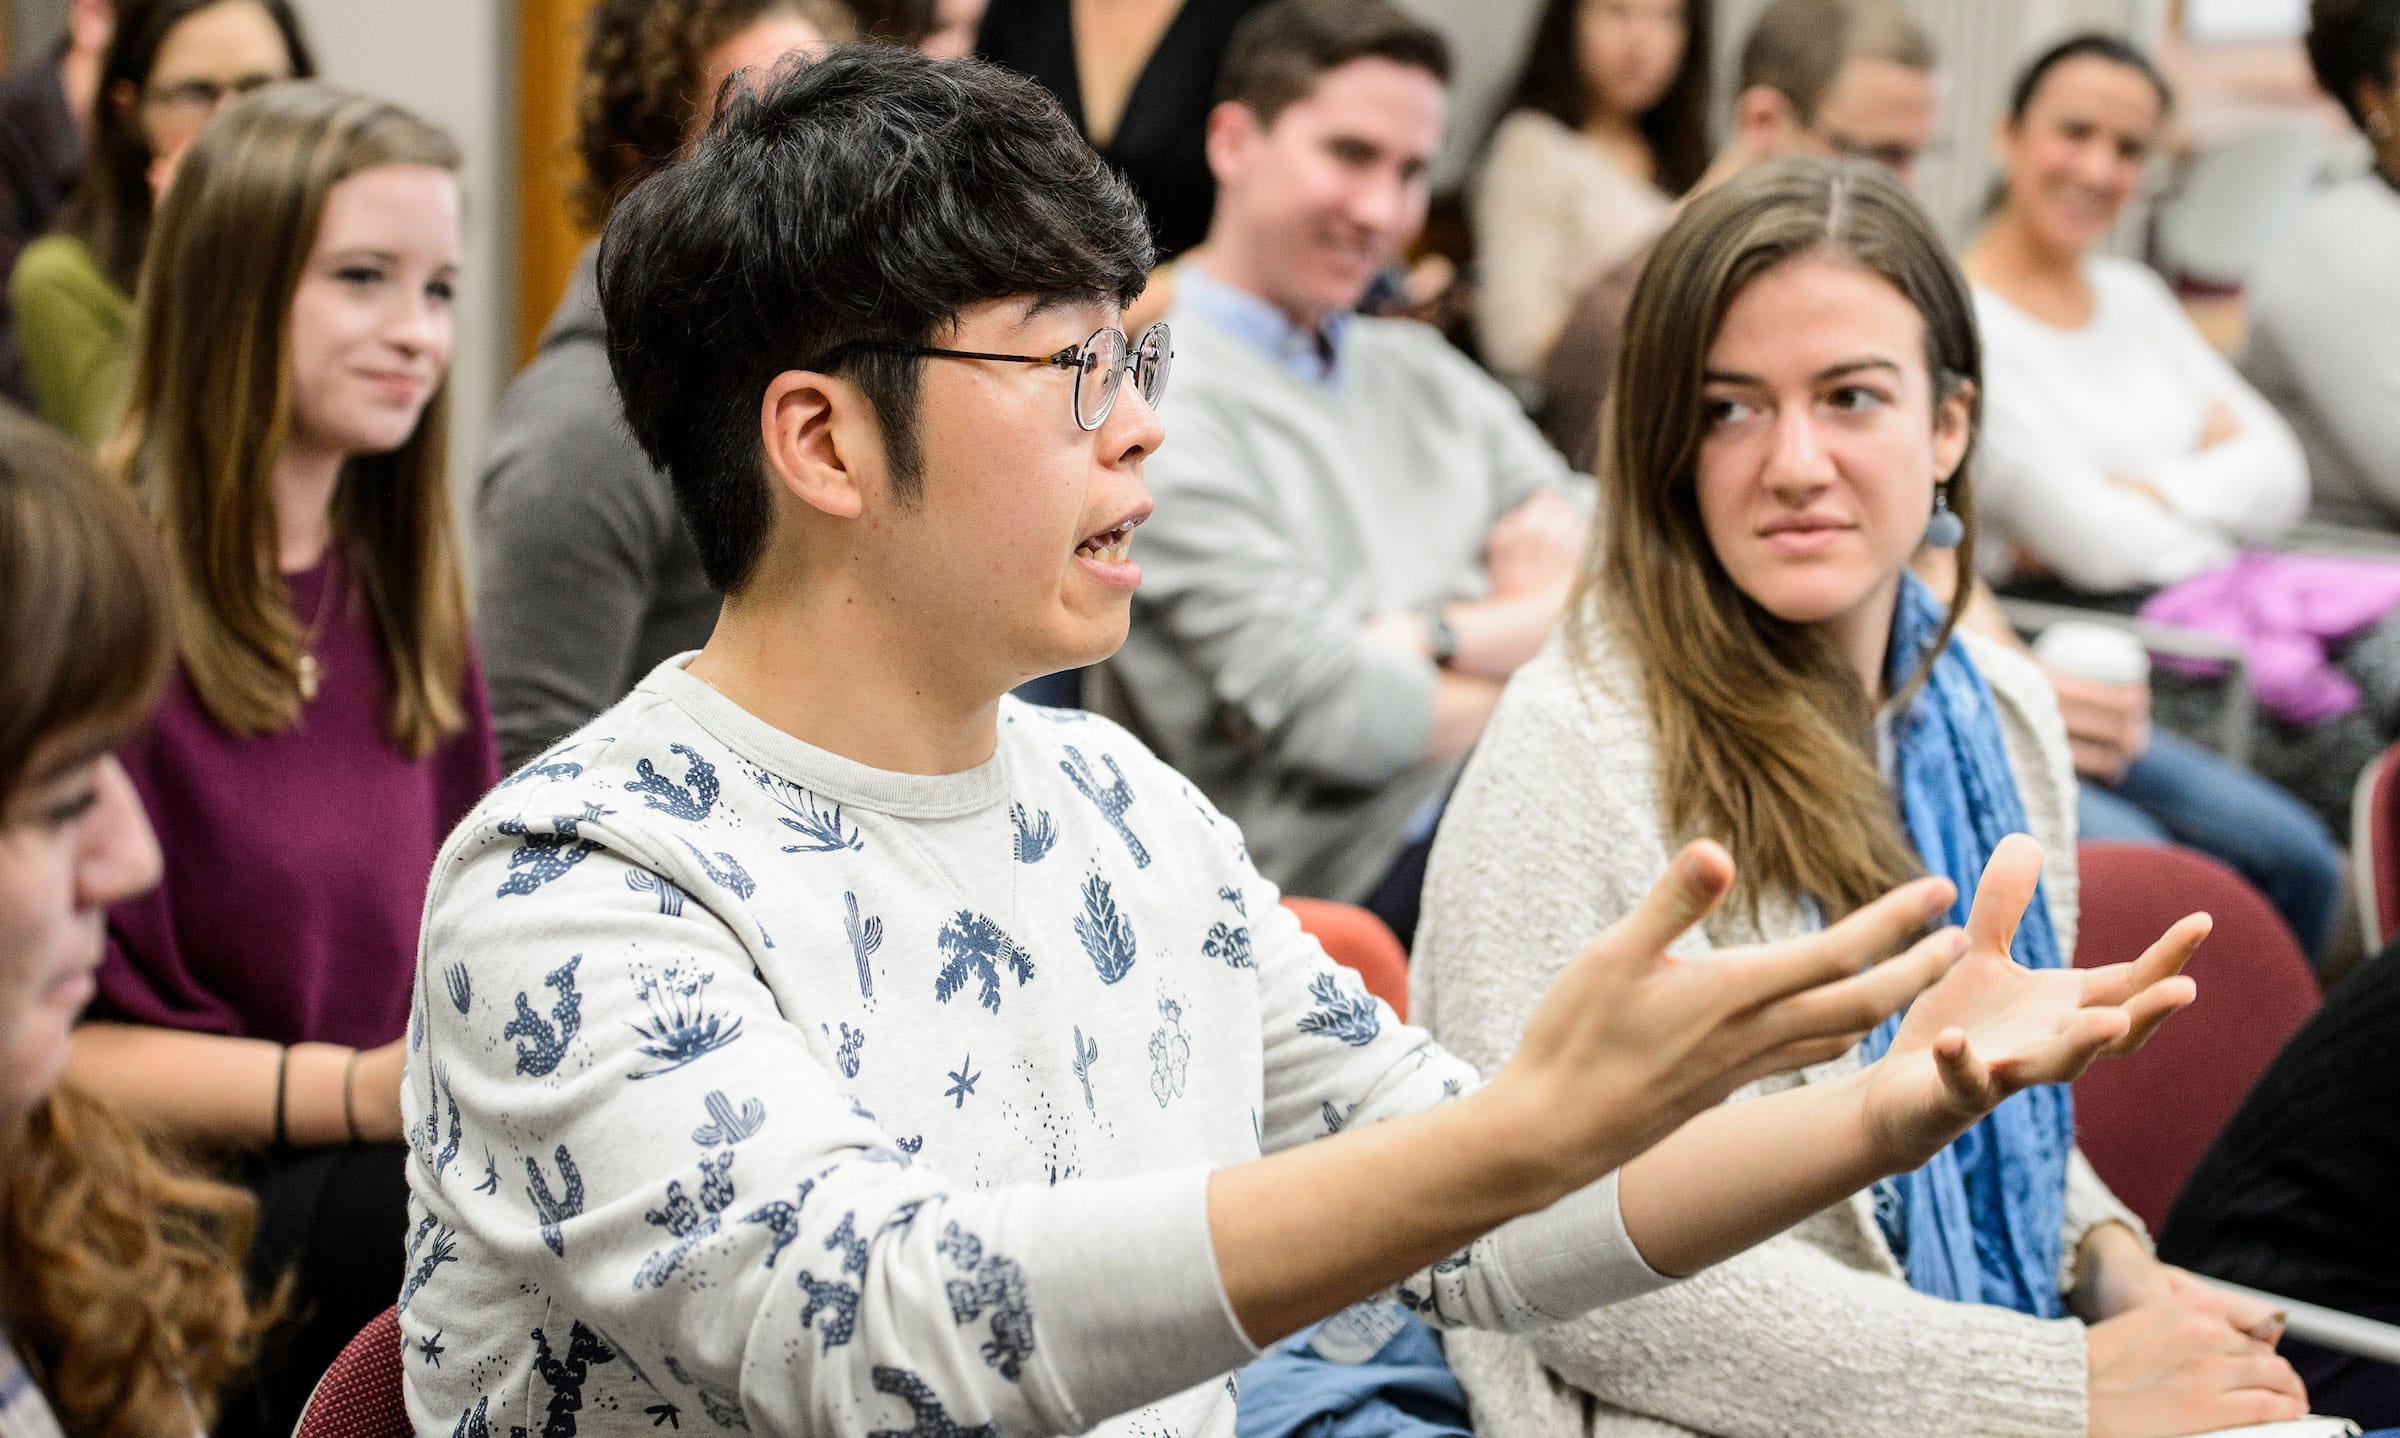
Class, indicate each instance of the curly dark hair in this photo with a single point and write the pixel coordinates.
(643, 63)
(2350, 41)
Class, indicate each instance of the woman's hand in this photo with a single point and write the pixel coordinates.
(2115, 1274)
(1992, 1027)
(2168, 1367)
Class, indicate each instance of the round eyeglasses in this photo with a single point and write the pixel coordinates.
(1099, 364)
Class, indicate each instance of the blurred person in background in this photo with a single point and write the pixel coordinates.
(43, 111)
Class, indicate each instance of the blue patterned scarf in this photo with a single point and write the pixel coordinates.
(1981, 1222)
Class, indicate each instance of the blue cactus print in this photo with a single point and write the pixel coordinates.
(544, 768)
(442, 1096)
(911, 1145)
(1087, 1053)
(722, 1405)
(681, 1029)
(553, 1211)
(542, 1043)
(782, 1220)
(725, 1125)
(1035, 836)
(690, 800)
(691, 1222)
(928, 1418)
(733, 878)
(491, 1174)
(1112, 799)
(416, 1028)
(1106, 934)
(818, 824)
(1235, 897)
(973, 947)
(836, 1301)
(566, 1376)
(845, 1241)
(462, 987)
(1170, 1053)
(1230, 943)
(1336, 1119)
(962, 1082)
(866, 936)
(670, 896)
(989, 1282)
(542, 857)
(443, 1249)
(845, 1056)
(1353, 1018)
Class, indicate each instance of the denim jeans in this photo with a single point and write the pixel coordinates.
(2178, 792)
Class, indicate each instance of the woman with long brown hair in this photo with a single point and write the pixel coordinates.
(325, 725)
(1749, 658)
(121, 1308)
(169, 65)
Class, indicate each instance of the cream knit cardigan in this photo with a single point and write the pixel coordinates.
(1556, 829)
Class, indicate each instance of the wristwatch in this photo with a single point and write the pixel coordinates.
(1441, 640)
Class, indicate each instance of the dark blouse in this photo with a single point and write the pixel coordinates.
(296, 862)
(1161, 143)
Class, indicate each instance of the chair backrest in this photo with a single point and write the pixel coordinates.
(359, 1396)
(2145, 1120)
(2375, 849)
(1357, 939)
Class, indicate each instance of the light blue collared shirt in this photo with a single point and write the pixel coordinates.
(1310, 356)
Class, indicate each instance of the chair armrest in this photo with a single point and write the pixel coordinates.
(2328, 1327)
(2031, 616)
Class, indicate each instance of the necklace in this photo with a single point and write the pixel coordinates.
(309, 674)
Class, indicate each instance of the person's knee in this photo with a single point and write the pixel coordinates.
(2104, 816)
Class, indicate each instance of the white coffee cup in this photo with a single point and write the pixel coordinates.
(2099, 652)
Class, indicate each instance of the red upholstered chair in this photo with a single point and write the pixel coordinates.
(2375, 849)
(2145, 1120)
(1357, 939)
(359, 1396)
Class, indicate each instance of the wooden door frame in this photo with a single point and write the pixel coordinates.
(549, 236)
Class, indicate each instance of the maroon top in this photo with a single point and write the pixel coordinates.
(296, 862)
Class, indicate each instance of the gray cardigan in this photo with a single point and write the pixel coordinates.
(586, 576)
(1555, 831)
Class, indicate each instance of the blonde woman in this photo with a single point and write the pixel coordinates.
(1749, 659)
(325, 724)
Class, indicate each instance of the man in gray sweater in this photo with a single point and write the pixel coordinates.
(1359, 535)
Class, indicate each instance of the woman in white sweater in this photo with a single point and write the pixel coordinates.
(2120, 452)
(1769, 473)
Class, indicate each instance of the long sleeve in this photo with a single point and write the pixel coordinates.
(2252, 487)
(71, 327)
(840, 1268)
(1548, 218)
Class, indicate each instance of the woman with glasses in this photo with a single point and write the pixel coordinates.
(1609, 125)
(171, 65)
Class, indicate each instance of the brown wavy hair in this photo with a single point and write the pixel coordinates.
(208, 409)
(643, 64)
(1763, 735)
(119, 1276)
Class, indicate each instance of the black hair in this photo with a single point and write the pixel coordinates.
(2350, 41)
(2092, 45)
(858, 201)
(1676, 128)
(1278, 52)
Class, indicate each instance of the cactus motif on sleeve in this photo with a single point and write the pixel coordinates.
(928, 1418)
(670, 896)
(782, 1220)
(475, 1422)
(1170, 1053)
(1112, 799)
(691, 1222)
(836, 1302)
(542, 1043)
(461, 984)
(443, 1249)
(866, 936)
(566, 1376)
(989, 1282)
(553, 1210)
(542, 857)
(725, 1125)
(1351, 1017)
(491, 1174)
(1106, 933)
(973, 946)
(1034, 836)
(681, 1027)
(443, 1097)
(1230, 942)
(845, 1054)
(1087, 1053)
(690, 800)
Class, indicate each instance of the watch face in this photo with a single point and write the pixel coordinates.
(1439, 636)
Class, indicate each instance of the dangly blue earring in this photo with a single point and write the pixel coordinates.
(1944, 529)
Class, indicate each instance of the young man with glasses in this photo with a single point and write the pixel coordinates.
(822, 1041)
(1360, 536)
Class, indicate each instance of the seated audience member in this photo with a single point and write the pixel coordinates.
(2295, 1195)
(2324, 301)
(825, 1040)
(325, 725)
(1816, 77)
(121, 1308)
(2122, 452)
(1608, 125)
(43, 109)
(169, 66)
(1749, 656)
(587, 576)
(1359, 534)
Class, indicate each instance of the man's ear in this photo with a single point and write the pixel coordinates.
(1233, 129)
(1953, 428)
(814, 430)
(1764, 121)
